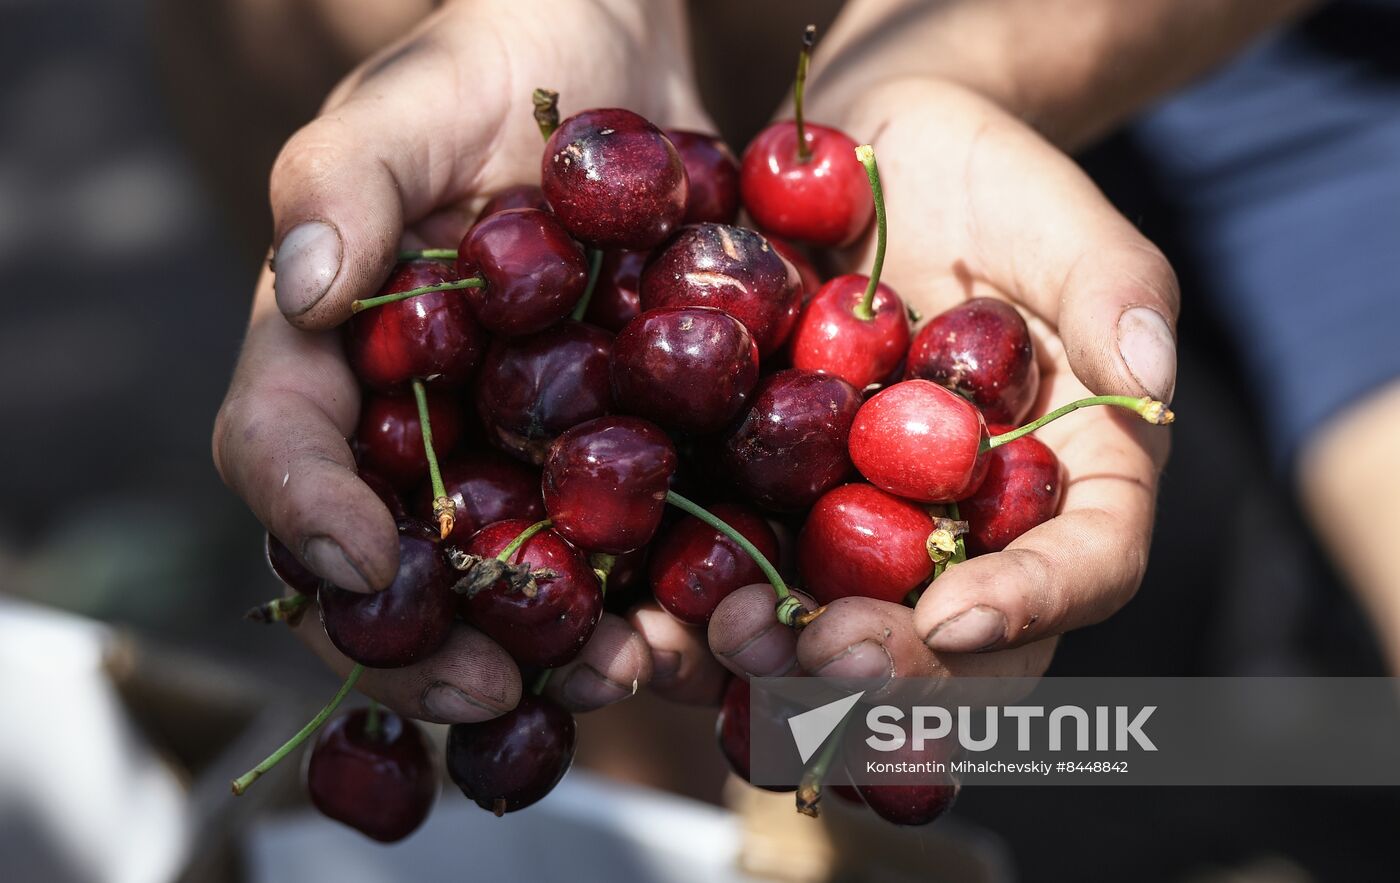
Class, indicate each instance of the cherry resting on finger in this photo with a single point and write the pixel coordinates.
(373, 772)
(1022, 489)
(507, 763)
(694, 567)
(860, 541)
(980, 349)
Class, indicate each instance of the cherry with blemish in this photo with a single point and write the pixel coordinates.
(860, 541)
(694, 567)
(981, 349)
(509, 762)
(373, 772)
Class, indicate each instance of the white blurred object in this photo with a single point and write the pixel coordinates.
(82, 796)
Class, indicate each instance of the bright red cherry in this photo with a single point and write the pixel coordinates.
(1021, 490)
(530, 389)
(831, 337)
(605, 483)
(823, 200)
(806, 270)
(549, 628)
(687, 368)
(428, 337)
(390, 438)
(732, 269)
(534, 272)
(617, 297)
(486, 487)
(694, 567)
(916, 439)
(404, 623)
(713, 173)
(791, 445)
(732, 729)
(861, 541)
(980, 349)
(614, 180)
(510, 762)
(381, 783)
(514, 196)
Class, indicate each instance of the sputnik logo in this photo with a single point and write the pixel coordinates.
(811, 728)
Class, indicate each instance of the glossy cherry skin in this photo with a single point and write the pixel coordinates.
(690, 369)
(531, 389)
(390, 438)
(289, 569)
(917, 440)
(824, 201)
(510, 762)
(403, 623)
(859, 540)
(791, 445)
(1022, 489)
(913, 804)
(534, 272)
(806, 270)
(551, 628)
(617, 297)
(514, 196)
(429, 337)
(694, 567)
(605, 483)
(831, 338)
(486, 487)
(382, 785)
(732, 730)
(614, 180)
(732, 269)
(713, 173)
(980, 349)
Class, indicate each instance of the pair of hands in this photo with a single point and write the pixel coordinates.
(419, 136)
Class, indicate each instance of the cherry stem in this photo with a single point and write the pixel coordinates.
(429, 254)
(809, 790)
(958, 556)
(546, 103)
(279, 609)
(243, 782)
(1147, 408)
(804, 58)
(372, 722)
(541, 682)
(521, 539)
(788, 606)
(602, 564)
(444, 509)
(866, 308)
(360, 306)
(595, 265)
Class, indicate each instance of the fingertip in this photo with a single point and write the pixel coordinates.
(683, 669)
(746, 637)
(614, 665)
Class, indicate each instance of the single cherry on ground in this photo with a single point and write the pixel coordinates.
(535, 273)
(713, 173)
(509, 762)
(982, 350)
(1022, 490)
(694, 567)
(860, 541)
(372, 770)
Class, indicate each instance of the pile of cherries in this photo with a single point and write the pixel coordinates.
(609, 342)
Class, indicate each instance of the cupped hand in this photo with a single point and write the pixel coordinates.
(404, 151)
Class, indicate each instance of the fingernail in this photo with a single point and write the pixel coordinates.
(586, 688)
(978, 628)
(665, 665)
(770, 653)
(864, 661)
(305, 265)
(325, 556)
(1149, 350)
(444, 702)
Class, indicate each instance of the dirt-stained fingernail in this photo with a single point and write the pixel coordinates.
(325, 556)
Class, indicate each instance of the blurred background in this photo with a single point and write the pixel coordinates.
(134, 145)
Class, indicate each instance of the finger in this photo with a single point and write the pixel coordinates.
(683, 668)
(746, 637)
(280, 444)
(470, 678)
(613, 665)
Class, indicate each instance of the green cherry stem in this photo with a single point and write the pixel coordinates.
(866, 308)
(595, 264)
(541, 682)
(360, 306)
(546, 103)
(521, 539)
(429, 254)
(243, 782)
(804, 59)
(1147, 408)
(602, 564)
(809, 790)
(444, 509)
(284, 609)
(372, 722)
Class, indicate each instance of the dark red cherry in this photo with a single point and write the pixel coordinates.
(689, 369)
(289, 569)
(980, 349)
(390, 438)
(830, 337)
(614, 180)
(404, 623)
(514, 196)
(550, 628)
(382, 784)
(486, 487)
(694, 567)
(509, 762)
(916, 439)
(534, 272)
(627, 581)
(823, 201)
(1021, 490)
(790, 447)
(732, 730)
(915, 803)
(713, 173)
(429, 337)
(859, 540)
(386, 493)
(617, 297)
(732, 269)
(806, 270)
(530, 389)
(605, 483)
